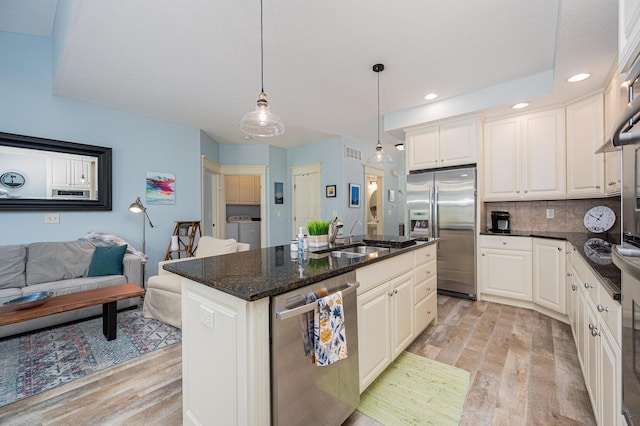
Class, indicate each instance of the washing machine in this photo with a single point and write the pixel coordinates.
(243, 229)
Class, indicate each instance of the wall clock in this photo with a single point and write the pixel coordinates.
(599, 219)
(12, 180)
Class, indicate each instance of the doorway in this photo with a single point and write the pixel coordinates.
(374, 200)
(210, 198)
(307, 202)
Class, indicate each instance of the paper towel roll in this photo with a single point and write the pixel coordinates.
(174, 242)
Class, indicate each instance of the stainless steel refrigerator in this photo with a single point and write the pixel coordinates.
(442, 204)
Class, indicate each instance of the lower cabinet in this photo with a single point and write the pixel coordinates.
(505, 267)
(385, 325)
(549, 274)
(596, 323)
(397, 300)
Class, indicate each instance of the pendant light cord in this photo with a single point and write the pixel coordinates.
(378, 106)
(262, 52)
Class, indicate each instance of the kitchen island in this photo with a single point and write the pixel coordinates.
(226, 324)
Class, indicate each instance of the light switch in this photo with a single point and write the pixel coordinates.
(207, 316)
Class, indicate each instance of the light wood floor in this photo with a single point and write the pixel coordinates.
(524, 371)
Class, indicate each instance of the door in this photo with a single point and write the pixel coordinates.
(374, 200)
(306, 195)
(210, 198)
(454, 220)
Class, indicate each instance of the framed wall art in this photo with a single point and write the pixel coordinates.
(278, 191)
(161, 188)
(354, 195)
(331, 191)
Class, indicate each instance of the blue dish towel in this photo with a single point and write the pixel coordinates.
(330, 339)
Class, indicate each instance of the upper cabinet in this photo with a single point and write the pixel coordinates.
(585, 134)
(242, 190)
(628, 33)
(451, 143)
(524, 156)
(65, 172)
(615, 100)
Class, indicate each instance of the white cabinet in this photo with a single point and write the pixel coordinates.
(585, 134)
(449, 143)
(425, 279)
(505, 267)
(242, 190)
(615, 100)
(628, 33)
(524, 156)
(385, 325)
(66, 172)
(596, 324)
(549, 274)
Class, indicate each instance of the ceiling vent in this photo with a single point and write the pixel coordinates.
(353, 153)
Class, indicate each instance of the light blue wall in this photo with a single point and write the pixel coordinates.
(209, 147)
(278, 215)
(139, 144)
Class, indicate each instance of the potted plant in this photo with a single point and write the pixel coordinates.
(318, 233)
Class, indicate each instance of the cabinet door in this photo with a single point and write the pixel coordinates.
(59, 172)
(506, 273)
(458, 140)
(610, 373)
(425, 312)
(591, 375)
(374, 333)
(628, 33)
(613, 172)
(80, 174)
(502, 159)
(402, 323)
(543, 156)
(422, 148)
(246, 190)
(256, 190)
(232, 189)
(572, 299)
(549, 274)
(585, 134)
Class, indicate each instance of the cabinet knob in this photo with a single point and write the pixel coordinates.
(483, 254)
(602, 308)
(428, 254)
(574, 287)
(568, 274)
(526, 191)
(587, 286)
(504, 243)
(518, 191)
(559, 248)
(428, 312)
(428, 288)
(428, 272)
(595, 332)
(395, 291)
(591, 326)
(611, 183)
(597, 186)
(390, 294)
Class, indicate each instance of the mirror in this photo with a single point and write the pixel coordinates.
(373, 204)
(39, 174)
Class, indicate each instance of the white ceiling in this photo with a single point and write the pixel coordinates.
(197, 62)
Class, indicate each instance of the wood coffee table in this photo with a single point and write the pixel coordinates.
(107, 297)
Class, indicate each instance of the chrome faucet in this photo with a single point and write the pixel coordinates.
(351, 231)
(334, 226)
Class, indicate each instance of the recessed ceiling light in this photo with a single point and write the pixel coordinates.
(520, 105)
(400, 146)
(431, 96)
(247, 137)
(578, 77)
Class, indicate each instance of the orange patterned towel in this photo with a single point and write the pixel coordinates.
(330, 338)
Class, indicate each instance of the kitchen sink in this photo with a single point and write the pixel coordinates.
(358, 251)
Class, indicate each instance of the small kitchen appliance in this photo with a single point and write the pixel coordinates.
(500, 222)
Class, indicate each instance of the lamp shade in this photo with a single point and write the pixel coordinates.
(136, 206)
(262, 122)
(379, 158)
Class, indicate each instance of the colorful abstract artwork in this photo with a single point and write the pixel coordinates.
(161, 188)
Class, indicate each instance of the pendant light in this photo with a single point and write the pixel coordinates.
(261, 122)
(379, 158)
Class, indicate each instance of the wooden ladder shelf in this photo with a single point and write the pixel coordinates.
(187, 247)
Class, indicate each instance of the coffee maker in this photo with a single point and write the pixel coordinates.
(500, 222)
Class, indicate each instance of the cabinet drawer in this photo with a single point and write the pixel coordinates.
(425, 312)
(425, 288)
(588, 279)
(425, 254)
(381, 272)
(425, 272)
(509, 243)
(611, 313)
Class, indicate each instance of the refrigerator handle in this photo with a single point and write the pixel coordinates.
(430, 217)
(434, 219)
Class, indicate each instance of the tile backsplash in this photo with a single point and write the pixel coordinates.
(568, 215)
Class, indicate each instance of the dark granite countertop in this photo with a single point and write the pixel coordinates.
(254, 274)
(604, 267)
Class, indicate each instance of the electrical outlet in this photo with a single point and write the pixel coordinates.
(550, 213)
(207, 316)
(278, 213)
(51, 218)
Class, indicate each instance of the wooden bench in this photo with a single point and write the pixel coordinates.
(107, 297)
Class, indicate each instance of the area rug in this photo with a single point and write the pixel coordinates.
(416, 391)
(37, 362)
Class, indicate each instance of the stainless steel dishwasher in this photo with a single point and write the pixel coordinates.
(301, 392)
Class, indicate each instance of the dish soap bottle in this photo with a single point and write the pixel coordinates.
(301, 243)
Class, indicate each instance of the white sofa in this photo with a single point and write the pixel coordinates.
(163, 298)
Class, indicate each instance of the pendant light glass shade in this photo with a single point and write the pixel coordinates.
(262, 122)
(379, 158)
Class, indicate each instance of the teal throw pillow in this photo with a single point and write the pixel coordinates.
(107, 260)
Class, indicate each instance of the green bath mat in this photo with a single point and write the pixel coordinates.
(416, 391)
